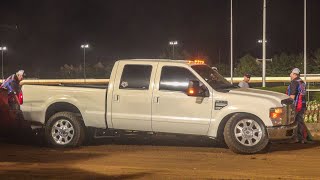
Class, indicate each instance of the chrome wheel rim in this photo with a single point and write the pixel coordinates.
(248, 132)
(62, 132)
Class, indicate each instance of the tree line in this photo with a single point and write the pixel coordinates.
(281, 65)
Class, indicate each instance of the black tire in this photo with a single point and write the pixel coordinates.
(267, 149)
(75, 129)
(246, 143)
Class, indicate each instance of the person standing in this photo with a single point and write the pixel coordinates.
(12, 84)
(245, 82)
(297, 91)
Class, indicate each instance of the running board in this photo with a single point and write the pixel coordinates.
(111, 133)
(105, 133)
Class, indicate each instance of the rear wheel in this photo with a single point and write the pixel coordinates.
(64, 129)
(245, 134)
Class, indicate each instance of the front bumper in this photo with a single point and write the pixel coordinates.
(282, 132)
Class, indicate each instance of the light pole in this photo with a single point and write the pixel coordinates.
(231, 42)
(305, 42)
(84, 47)
(3, 48)
(173, 43)
(264, 44)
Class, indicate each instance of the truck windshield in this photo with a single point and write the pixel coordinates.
(212, 77)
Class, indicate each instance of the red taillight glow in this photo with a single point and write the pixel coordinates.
(21, 98)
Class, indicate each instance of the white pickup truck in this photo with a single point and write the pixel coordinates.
(162, 96)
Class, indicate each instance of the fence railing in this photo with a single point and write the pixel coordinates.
(64, 81)
(104, 81)
(312, 79)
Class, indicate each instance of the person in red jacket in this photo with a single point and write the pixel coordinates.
(297, 91)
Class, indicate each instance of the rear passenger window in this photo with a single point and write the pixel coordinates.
(135, 77)
(175, 78)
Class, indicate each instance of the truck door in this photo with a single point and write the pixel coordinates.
(173, 110)
(132, 96)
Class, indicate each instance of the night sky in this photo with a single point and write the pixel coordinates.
(47, 34)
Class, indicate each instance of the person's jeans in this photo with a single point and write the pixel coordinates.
(13, 104)
(301, 131)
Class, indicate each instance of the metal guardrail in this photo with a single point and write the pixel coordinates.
(259, 79)
(64, 81)
(275, 79)
(105, 81)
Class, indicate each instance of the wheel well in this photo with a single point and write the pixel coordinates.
(60, 107)
(223, 123)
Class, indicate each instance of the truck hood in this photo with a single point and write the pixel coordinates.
(259, 93)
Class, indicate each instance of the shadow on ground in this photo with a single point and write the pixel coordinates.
(162, 140)
(63, 173)
(285, 146)
(37, 140)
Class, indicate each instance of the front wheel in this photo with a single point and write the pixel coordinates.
(245, 134)
(64, 129)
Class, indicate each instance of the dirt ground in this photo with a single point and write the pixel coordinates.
(157, 159)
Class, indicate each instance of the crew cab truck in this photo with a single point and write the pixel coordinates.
(162, 96)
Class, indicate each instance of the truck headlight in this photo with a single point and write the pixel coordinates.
(277, 115)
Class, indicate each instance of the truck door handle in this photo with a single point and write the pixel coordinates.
(116, 98)
(156, 100)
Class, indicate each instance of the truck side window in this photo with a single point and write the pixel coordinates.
(175, 78)
(135, 77)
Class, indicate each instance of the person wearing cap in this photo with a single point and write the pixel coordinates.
(297, 91)
(12, 84)
(245, 82)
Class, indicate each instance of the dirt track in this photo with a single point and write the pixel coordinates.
(163, 159)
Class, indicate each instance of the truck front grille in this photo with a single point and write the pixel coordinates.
(290, 111)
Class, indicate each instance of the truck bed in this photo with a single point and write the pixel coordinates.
(90, 100)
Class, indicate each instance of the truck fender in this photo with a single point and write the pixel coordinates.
(61, 103)
(226, 113)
